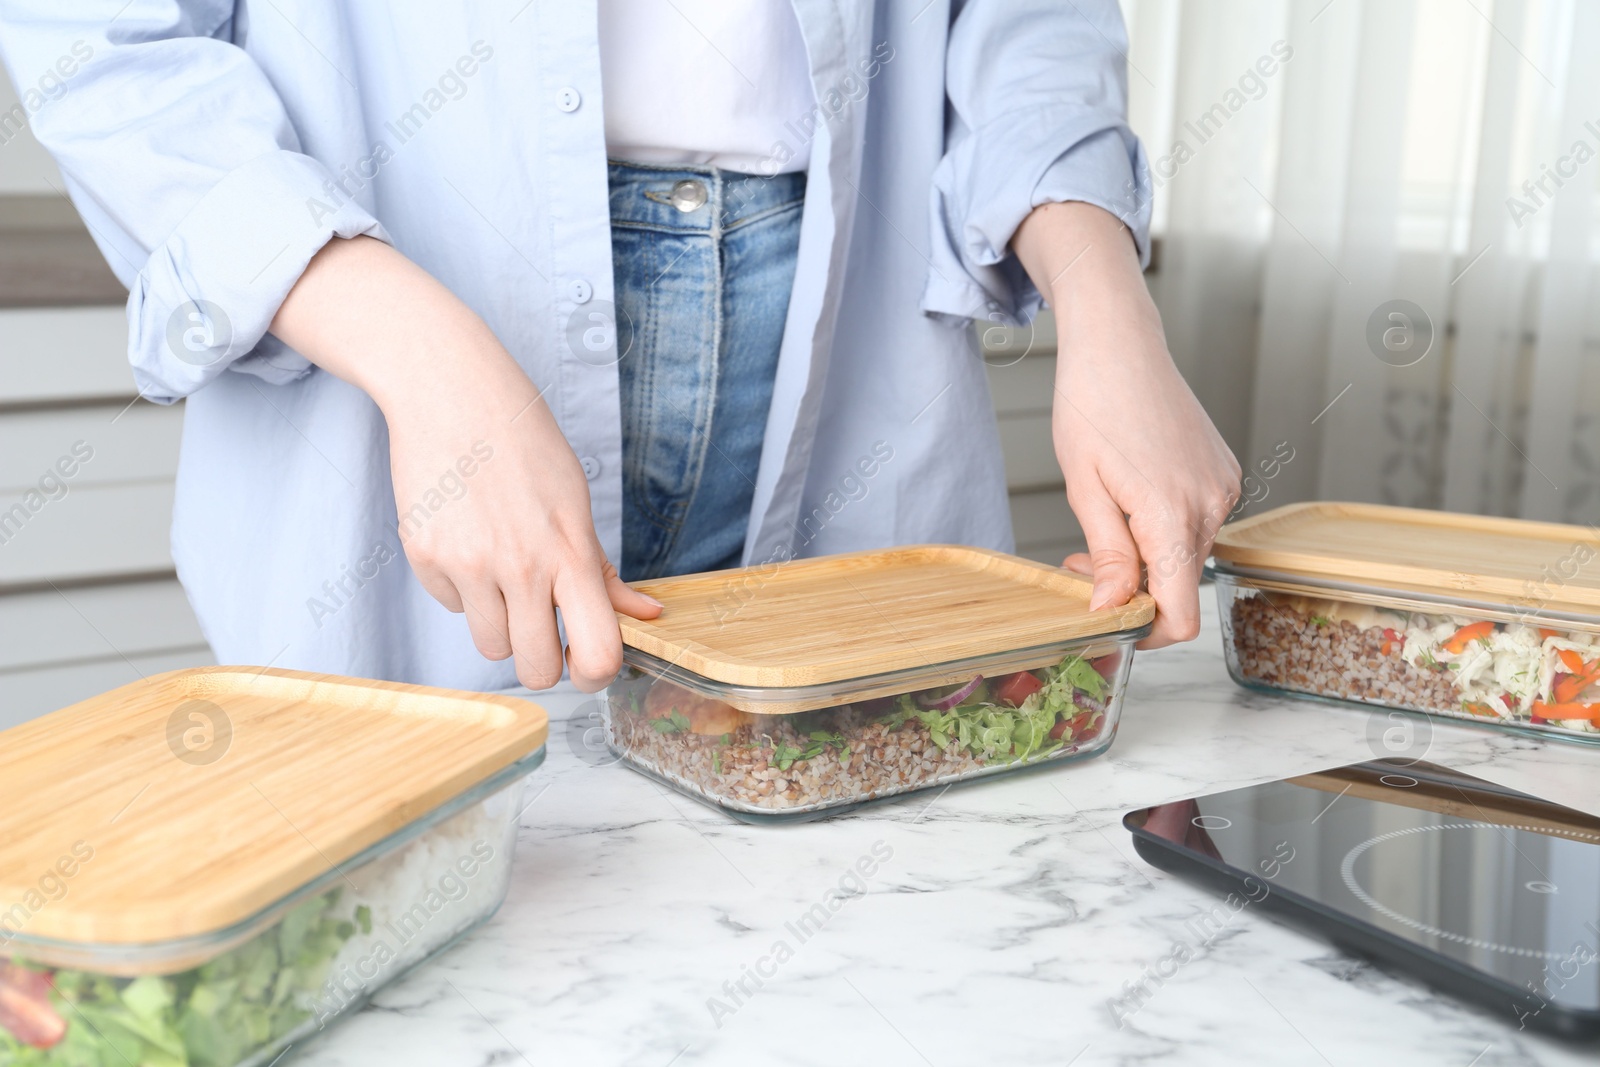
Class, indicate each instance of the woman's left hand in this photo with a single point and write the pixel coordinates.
(1148, 476)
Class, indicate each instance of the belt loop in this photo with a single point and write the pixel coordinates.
(719, 203)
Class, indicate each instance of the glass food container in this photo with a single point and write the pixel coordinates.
(1486, 620)
(799, 689)
(206, 867)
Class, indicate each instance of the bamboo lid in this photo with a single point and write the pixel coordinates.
(838, 618)
(192, 800)
(1524, 565)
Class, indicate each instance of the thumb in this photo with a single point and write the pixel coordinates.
(626, 599)
(1113, 559)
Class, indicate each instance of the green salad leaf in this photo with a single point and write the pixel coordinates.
(675, 723)
(998, 733)
(784, 755)
(821, 741)
(213, 1015)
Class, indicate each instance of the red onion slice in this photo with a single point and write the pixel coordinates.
(946, 703)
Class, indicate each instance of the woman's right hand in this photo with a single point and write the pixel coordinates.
(493, 504)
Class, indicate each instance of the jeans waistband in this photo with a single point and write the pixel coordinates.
(689, 198)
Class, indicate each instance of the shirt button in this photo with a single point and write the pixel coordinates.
(688, 196)
(581, 291)
(568, 99)
(591, 467)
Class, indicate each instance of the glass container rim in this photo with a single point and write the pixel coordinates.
(223, 938)
(1216, 568)
(931, 674)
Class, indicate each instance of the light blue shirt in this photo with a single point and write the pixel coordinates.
(213, 146)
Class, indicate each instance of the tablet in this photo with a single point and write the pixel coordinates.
(1489, 894)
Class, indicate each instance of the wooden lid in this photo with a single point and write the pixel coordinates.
(838, 618)
(175, 829)
(1515, 562)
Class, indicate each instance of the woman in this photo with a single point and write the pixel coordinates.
(443, 360)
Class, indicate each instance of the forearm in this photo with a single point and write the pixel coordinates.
(1083, 261)
(364, 312)
(521, 544)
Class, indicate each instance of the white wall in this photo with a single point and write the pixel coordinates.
(88, 600)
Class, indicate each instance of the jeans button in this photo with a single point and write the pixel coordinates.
(581, 291)
(591, 467)
(689, 196)
(568, 99)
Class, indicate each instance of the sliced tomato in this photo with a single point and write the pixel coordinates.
(1015, 688)
(1106, 665)
(25, 1008)
(1473, 631)
(1078, 727)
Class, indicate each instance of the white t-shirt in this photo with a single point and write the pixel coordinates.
(721, 83)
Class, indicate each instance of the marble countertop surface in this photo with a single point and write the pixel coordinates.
(1002, 922)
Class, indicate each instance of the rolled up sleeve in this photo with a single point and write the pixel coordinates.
(184, 165)
(1038, 114)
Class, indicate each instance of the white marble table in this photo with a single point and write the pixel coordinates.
(1007, 917)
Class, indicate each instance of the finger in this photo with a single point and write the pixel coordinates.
(486, 618)
(628, 600)
(439, 587)
(535, 641)
(1113, 557)
(1079, 563)
(1174, 577)
(594, 643)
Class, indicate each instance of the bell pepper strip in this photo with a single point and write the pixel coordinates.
(1545, 635)
(1472, 631)
(25, 1009)
(1392, 638)
(1573, 662)
(1567, 687)
(1477, 707)
(1543, 712)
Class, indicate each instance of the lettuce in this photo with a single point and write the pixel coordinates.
(996, 733)
(215, 1015)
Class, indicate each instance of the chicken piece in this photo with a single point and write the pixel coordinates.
(705, 715)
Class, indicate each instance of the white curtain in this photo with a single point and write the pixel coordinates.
(1317, 161)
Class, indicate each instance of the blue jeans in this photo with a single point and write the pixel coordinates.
(703, 261)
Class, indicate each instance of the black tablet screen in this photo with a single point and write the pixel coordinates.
(1492, 879)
